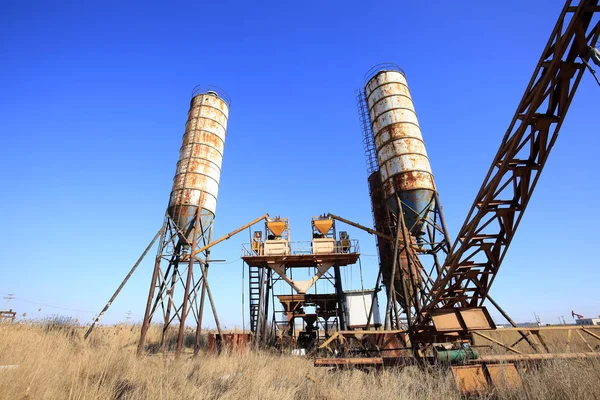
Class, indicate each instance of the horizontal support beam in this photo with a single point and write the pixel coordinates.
(354, 362)
(546, 328)
(532, 357)
(587, 9)
(497, 342)
(370, 332)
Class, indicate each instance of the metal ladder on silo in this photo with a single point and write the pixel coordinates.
(368, 140)
(254, 285)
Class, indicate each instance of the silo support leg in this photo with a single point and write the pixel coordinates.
(114, 296)
(340, 298)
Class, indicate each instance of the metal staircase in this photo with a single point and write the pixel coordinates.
(254, 285)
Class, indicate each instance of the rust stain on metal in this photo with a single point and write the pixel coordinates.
(234, 342)
(196, 181)
(401, 152)
(384, 223)
(470, 379)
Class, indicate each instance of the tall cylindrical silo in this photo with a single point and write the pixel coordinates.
(403, 162)
(196, 181)
(384, 224)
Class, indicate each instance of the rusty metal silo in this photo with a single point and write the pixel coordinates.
(382, 219)
(196, 182)
(180, 268)
(382, 223)
(401, 155)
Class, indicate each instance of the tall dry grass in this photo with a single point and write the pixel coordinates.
(557, 341)
(54, 362)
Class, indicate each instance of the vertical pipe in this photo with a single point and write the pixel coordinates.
(340, 297)
(274, 327)
(147, 315)
(203, 265)
(393, 277)
(186, 293)
(174, 262)
(200, 314)
(396, 312)
(373, 299)
(407, 302)
(291, 316)
(266, 303)
(413, 283)
(170, 295)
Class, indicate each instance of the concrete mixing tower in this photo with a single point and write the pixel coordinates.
(272, 257)
(404, 198)
(178, 287)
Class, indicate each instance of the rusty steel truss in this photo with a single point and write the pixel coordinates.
(392, 347)
(179, 283)
(445, 303)
(484, 238)
(182, 263)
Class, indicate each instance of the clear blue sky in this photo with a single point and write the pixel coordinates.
(94, 97)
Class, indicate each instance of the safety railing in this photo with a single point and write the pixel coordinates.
(199, 89)
(381, 67)
(318, 246)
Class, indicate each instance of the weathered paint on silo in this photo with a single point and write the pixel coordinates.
(384, 224)
(196, 182)
(401, 154)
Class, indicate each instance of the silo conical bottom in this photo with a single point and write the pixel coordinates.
(416, 205)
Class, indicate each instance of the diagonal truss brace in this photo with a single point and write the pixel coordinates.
(498, 208)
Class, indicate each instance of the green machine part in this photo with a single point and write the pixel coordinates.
(454, 356)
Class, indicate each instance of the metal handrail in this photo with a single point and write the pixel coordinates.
(303, 248)
(199, 89)
(381, 67)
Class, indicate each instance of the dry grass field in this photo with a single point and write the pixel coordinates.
(52, 361)
(557, 340)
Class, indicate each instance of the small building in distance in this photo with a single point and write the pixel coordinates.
(8, 316)
(588, 321)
